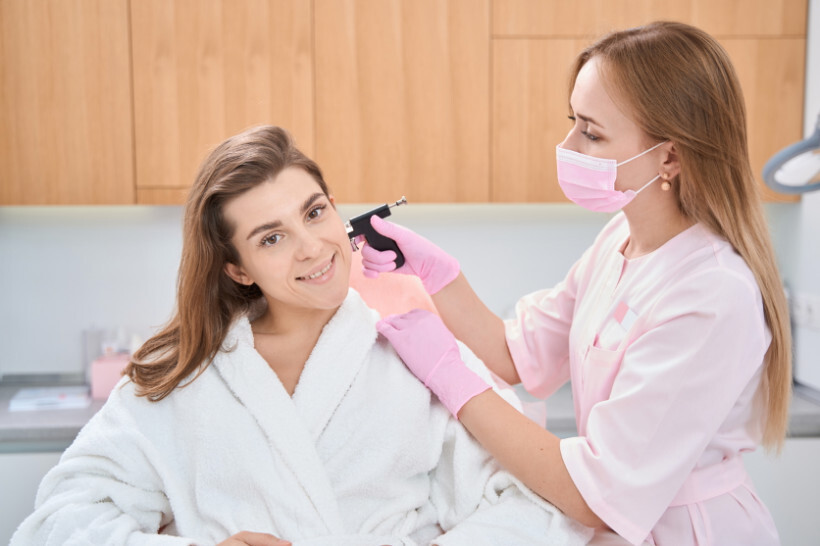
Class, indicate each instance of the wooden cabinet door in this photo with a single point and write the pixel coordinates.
(573, 18)
(529, 117)
(65, 103)
(772, 75)
(402, 99)
(207, 69)
(535, 42)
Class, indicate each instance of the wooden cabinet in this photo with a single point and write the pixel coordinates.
(529, 117)
(534, 42)
(207, 69)
(771, 73)
(118, 101)
(563, 18)
(402, 99)
(66, 135)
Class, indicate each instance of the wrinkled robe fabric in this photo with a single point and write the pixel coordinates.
(361, 454)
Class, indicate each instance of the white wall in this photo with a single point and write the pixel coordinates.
(806, 276)
(66, 269)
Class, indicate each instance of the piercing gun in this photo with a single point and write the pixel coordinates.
(360, 226)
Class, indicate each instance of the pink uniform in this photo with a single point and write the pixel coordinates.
(665, 354)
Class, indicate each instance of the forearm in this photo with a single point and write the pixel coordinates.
(529, 452)
(474, 324)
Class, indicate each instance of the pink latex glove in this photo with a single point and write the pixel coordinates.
(429, 350)
(433, 266)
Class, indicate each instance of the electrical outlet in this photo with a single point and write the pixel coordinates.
(805, 310)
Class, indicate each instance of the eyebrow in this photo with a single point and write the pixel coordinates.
(277, 223)
(589, 120)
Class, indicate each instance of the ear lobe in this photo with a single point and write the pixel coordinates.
(237, 274)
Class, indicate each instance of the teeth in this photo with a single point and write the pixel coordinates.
(319, 273)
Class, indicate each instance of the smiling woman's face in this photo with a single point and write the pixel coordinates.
(291, 242)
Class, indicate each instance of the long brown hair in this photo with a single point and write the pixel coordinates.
(679, 85)
(208, 300)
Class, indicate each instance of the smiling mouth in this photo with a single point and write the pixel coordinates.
(319, 273)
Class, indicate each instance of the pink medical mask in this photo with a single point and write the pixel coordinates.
(590, 181)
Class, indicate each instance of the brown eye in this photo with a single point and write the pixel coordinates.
(316, 212)
(270, 240)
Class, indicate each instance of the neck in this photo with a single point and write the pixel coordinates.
(651, 228)
(292, 321)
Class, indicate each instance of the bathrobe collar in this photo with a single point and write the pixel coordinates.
(292, 425)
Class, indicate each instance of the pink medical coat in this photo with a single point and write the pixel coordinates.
(665, 355)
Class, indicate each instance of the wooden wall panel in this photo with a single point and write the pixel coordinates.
(766, 40)
(563, 18)
(402, 99)
(65, 103)
(772, 74)
(529, 116)
(530, 108)
(162, 196)
(747, 18)
(206, 69)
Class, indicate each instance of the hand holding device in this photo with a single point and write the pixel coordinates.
(429, 350)
(360, 227)
(428, 262)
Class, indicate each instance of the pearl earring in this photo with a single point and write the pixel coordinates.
(665, 186)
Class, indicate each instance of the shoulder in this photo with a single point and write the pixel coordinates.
(707, 261)
(708, 276)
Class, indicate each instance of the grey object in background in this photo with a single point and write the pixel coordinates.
(796, 168)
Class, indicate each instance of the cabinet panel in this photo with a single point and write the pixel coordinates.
(65, 103)
(594, 17)
(163, 196)
(771, 73)
(530, 106)
(21, 474)
(529, 116)
(204, 70)
(402, 99)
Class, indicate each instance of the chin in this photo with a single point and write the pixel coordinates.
(341, 295)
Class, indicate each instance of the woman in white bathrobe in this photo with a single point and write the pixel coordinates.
(269, 410)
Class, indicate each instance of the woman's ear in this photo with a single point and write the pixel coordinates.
(237, 274)
(671, 161)
(332, 201)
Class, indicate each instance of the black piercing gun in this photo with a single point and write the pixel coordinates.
(360, 225)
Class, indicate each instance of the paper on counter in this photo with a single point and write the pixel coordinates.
(50, 398)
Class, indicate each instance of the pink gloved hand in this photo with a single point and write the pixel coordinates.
(429, 350)
(433, 266)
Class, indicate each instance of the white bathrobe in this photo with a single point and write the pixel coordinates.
(360, 455)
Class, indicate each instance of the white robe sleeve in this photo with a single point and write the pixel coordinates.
(103, 491)
(480, 503)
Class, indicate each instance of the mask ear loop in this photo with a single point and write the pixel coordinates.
(639, 155)
(645, 185)
(642, 153)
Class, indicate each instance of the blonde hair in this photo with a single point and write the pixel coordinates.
(680, 85)
(208, 300)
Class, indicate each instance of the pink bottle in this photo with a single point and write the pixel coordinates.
(106, 371)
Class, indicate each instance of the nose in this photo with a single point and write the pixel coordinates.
(309, 244)
(569, 142)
